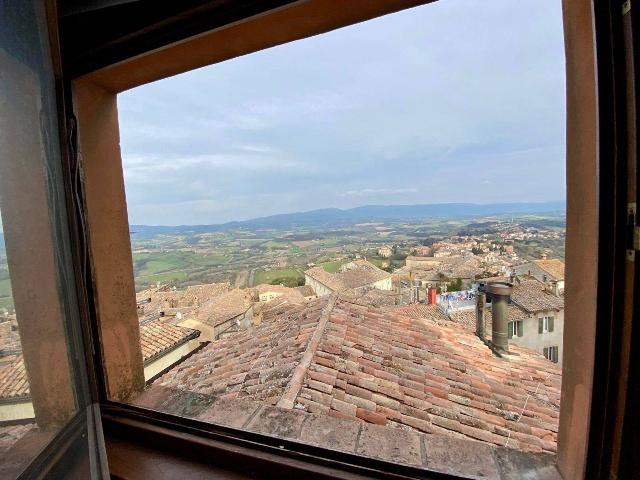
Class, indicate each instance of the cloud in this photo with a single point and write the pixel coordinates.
(443, 102)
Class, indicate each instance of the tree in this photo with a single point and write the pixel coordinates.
(455, 285)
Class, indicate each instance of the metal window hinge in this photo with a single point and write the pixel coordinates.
(633, 232)
(626, 7)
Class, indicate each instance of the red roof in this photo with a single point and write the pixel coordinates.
(13, 378)
(157, 338)
(382, 367)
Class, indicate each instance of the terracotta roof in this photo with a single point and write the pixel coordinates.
(223, 307)
(389, 369)
(192, 296)
(356, 274)
(533, 296)
(306, 290)
(467, 317)
(13, 378)
(376, 366)
(451, 267)
(158, 338)
(9, 338)
(552, 266)
(372, 296)
(256, 363)
(499, 278)
(10, 434)
(196, 295)
(421, 311)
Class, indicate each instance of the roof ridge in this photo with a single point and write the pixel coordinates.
(295, 384)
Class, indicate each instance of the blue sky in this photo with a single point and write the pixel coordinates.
(456, 101)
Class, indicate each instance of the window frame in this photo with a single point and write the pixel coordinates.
(516, 328)
(578, 16)
(551, 353)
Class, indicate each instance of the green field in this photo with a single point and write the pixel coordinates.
(6, 301)
(146, 264)
(174, 267)
(286, 276)
(169, 277)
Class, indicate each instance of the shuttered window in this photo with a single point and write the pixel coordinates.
(545, 324)
(551, 353)
(515, 328)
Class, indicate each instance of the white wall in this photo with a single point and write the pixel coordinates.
(385, 284)
(538, 341)
(172, 357)
(16, 411)
(319, 288)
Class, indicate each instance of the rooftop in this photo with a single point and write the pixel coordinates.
(13, 378)
(356, 274)
(363, 364)
(192, 296)
(372, 296)
(223, 307)
(533, 296)
(467, 317)
(157, 338)
(554, 267)
(422, 311)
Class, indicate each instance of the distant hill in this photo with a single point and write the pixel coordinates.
(368, 213)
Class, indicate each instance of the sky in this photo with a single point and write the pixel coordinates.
(455, 101)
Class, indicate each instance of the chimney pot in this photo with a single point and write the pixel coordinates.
(500, 294)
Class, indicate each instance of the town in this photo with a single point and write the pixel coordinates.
(326, 321)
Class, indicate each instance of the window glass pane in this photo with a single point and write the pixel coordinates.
(39, 392)
(298, 263)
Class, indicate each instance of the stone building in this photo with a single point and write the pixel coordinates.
(535, 317)
(225, 313)
(549, 271)
(357, 276)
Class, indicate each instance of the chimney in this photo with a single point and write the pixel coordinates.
(481, 309)
(500, 294)
(432, 296)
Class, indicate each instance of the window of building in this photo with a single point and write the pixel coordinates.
(174, 350)
(516, 328)
(545, 324)
(551, 353)
(280, 299)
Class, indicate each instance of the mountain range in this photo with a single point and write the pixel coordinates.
(367, 213)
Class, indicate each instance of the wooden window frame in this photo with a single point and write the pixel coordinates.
(95, 82)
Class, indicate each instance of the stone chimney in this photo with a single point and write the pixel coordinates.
(500, 294)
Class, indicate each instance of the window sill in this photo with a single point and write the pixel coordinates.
(405, 452)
